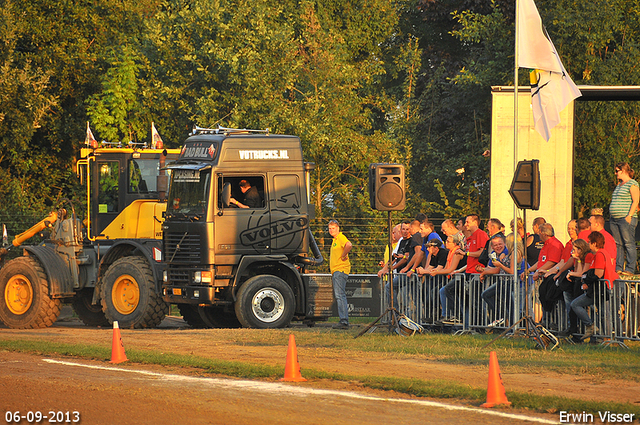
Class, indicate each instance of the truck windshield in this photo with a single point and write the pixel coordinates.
(188, 194)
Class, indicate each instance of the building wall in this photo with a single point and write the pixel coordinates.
(555, 156)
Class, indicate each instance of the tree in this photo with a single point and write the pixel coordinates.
(308, 68)
(597, 42)
(448, 128)
(116, 110)
(51, 56)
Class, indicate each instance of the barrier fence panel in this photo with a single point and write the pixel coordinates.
(627, 309)
(464, 302)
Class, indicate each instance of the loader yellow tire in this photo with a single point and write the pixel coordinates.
(24, 295)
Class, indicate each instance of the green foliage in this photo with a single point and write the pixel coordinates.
(360, 81)
(450, 129)
(299, 67)
(463, 205)
(113, 110)
(51, 54)
(598, 44)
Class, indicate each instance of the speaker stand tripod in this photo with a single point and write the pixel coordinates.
(391, 310)
(531, 330)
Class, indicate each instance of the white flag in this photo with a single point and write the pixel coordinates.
(156, 140)
(551, 88)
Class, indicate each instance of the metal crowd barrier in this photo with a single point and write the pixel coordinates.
(629, 310)
(456, 303)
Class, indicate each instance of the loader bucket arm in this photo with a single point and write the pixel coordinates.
(38, 227)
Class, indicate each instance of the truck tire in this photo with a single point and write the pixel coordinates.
(24, 296)
(191, 316)
(217, 317)
(90, 314)
(265, 302)
(129, 296)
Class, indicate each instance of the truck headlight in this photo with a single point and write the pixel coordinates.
(202, 277)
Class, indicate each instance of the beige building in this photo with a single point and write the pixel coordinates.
(555, 156)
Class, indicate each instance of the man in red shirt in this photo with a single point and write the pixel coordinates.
(550, 255)
(597, 225)
(475, 242)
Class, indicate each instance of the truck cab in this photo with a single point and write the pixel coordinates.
(236, 229)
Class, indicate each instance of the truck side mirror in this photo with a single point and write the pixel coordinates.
(162, 183)
(226, 194)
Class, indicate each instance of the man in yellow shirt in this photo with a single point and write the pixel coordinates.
(340, 267)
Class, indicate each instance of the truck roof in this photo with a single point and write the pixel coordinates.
(239, 151)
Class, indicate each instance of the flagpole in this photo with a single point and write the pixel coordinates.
(514, 261)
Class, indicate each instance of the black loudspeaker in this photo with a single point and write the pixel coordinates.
(525, 187)
(386, 187)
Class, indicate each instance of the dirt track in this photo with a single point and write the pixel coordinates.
(176, 337)
(96, 393)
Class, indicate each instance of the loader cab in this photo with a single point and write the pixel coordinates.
(115, 178)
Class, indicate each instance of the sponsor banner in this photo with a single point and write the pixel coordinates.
(199, 150)
(264, 154)
(363, 296)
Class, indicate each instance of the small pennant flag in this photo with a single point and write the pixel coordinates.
(156, 140)
(90, 140)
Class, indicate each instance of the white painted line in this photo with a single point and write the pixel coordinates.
(270, 387)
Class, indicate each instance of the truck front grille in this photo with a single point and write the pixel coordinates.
(182, 248)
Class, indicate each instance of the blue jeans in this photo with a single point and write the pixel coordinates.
(339, 280)
(625, 236)
(578, 305)
(571, 322)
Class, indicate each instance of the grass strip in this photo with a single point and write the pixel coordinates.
(440, 389)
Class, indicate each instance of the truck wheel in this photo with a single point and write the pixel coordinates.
(24, 295)
(128, 293)
(217, 317)
(265, 302)
(191, 316)
(90, 314)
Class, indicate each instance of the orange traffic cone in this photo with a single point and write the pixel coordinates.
(292, 368)
(495, 393)
(117, 347)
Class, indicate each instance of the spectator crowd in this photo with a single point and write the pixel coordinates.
(586, 264)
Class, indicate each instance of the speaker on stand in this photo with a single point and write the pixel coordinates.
(525, 192)
(386, 193)
(386, 187)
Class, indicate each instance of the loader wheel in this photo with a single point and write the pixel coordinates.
(24, 295)
(129, 295)
(90, 314)
(217, 317)
(191, 316)
(265, 302)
